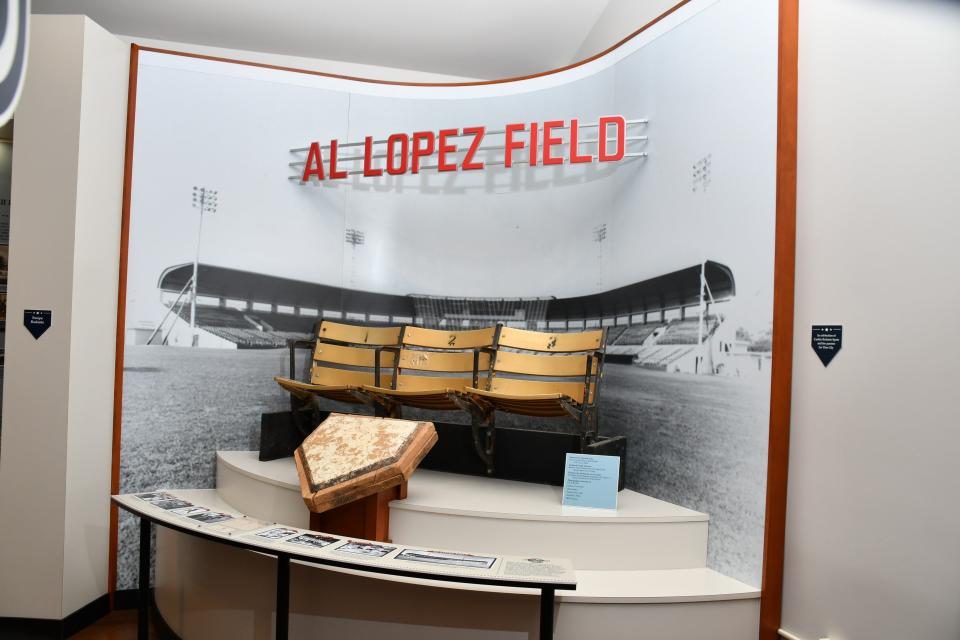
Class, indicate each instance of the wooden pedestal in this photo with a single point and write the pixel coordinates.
(367, 518)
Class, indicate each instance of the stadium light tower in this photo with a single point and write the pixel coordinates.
(599, 235)
(206, 201)
(355, 238)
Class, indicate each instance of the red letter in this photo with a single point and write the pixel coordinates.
(314, 164)
(549, 141)
(334, 174)
(368, 169)
(621, 125)
(391, 154)
(421, 152)
(574, 142)
(477, 133)
(443, 149)
(510, 144)
(533, 144)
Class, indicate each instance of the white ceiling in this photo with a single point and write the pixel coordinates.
(478, 38)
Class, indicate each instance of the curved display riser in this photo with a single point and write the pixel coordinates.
(502, 517)
(209, 591)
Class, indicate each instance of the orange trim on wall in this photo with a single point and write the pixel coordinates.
(472, 83)
(778, 454)
(121, 318)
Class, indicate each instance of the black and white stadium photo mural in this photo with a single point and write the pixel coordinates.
(667, 245)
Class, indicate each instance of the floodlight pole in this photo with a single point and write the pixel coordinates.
(193, 289)
(206, 201)
(703, 285)
(355, 238)
(599, 235)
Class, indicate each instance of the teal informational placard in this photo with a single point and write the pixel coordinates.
(591, 481)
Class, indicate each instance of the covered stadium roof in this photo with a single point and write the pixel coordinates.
(223, 282)
(676, 289)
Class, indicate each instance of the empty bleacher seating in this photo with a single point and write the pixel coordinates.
(286, 322)
(248, 338)
(637, 333)
(661, 356)
(615, 332)
(216, 317)
(688, 331)
(250, 330)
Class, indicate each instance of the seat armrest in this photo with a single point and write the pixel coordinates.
(588, 400)
(296, 343)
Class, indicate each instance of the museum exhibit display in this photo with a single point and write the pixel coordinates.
(532, 282)
(499, 333)
(382, 343)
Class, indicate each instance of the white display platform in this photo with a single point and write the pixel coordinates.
(211, 591)
(640, 568)
(510, 517)
(489, 515)
(648, 551)
(266, 490)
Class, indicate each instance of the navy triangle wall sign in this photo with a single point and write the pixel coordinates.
(37, 321)
(827, 340)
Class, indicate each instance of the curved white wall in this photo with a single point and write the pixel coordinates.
(498, 232)
(873, 531)
(65, 248)
(493, 233)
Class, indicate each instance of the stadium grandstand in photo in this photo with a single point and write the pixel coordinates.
(672, 322)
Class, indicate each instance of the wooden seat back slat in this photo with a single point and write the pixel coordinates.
(353, 356)
(439, 361)
(536, 364)
(332, 377)
(550, 342)
(358, 334)
(432, 383)
(443, 339)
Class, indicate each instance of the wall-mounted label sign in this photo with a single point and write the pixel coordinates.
(591, 481)
(37, 321)
(827, 339)
(540, 143)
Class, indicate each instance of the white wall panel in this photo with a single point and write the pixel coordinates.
(35, 409)
(58, 403)
(873, 532)
(520, 232)
(99, 193)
